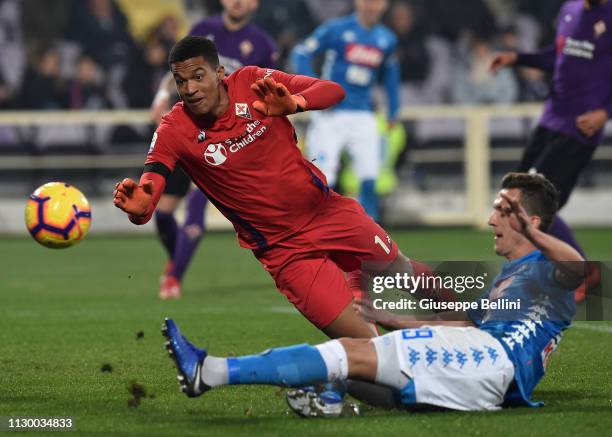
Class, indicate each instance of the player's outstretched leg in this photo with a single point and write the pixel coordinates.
(167, 231)
(293, 366)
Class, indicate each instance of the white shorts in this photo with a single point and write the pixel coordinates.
(331, 132)
(451, 367)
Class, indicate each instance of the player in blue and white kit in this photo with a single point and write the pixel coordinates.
(358, 50)
(475, 360)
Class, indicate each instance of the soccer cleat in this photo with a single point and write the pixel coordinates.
(306, 402)
(187, 358)
(167, 271)
(170, 288)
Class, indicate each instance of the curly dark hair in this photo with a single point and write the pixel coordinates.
(192, 47)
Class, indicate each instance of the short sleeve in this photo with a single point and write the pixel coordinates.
(163, 148)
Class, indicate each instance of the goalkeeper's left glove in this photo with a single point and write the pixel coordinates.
(275, 99)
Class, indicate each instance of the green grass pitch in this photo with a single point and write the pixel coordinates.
(65, 314)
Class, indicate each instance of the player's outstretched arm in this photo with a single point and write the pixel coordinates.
(139, 200)
(570, 264)
(275, 99)
(502, 60)
(280, 93)
(302, 93)
(543, 59)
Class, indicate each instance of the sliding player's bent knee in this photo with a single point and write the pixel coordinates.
(388, 370)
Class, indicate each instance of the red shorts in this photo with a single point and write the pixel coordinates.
(309, 266)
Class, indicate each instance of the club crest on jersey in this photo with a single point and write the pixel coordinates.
(215, 154)
(201, 136)
(246, 48)
(242, 110)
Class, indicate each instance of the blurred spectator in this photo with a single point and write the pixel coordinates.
(42, 86)
(87, 90)
(412, 53)
(451, 19)
(323, 10)
(6, 97)
(505, 11)
(44, 20)
(145, 15)
(474, 84)
(102, 29)
(533, 86)
(274, 16)
(147, 68)
(212, 7)
(12, 52)
(167, 31)
(545, 13)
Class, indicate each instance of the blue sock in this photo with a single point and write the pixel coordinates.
(288, 366)
(368, 198)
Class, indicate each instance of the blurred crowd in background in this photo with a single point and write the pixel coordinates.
(105, 54)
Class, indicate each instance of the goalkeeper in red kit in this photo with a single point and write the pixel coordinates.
(232, 136)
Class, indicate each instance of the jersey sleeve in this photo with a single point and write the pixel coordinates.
(303, 54)
(162, 151)
(543, 59)
(391, 79)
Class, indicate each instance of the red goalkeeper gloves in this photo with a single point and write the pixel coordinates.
(275, 99)
(135, 199)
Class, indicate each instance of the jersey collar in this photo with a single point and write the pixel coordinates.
(536, 255)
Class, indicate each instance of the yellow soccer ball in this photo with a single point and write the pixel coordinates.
(57, 215)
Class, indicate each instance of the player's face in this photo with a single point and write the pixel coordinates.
(506, 239)
(370, 11)
(198, 84)
(239, 10)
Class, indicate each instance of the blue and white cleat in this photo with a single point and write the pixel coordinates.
(306, 402)
(187, 358)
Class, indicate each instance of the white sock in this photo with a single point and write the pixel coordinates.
(335, 359)
(388, 370)
(214, 371)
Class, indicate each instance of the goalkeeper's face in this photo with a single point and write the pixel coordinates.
(370, 11)
(199, 85)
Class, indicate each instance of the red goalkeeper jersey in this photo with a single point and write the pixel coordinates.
(248, 164)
